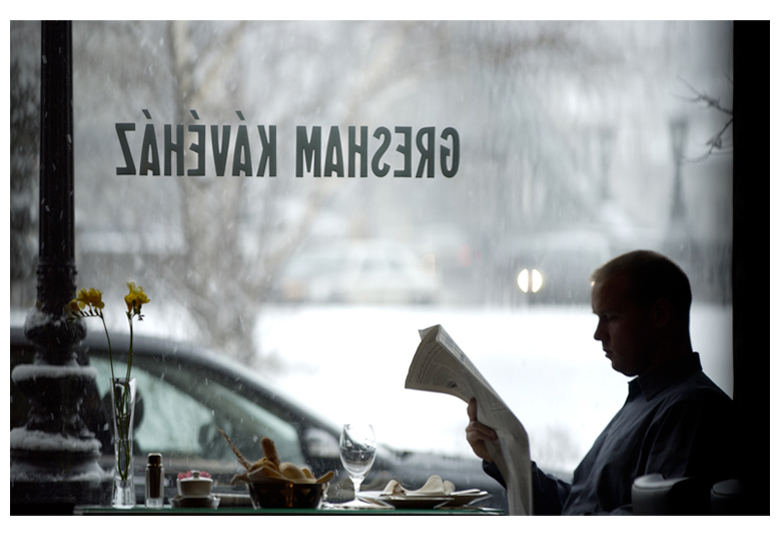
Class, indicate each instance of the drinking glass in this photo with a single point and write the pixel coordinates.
(357, 446)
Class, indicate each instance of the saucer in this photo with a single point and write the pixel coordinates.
(195, 502)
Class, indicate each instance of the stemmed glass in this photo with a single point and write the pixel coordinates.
(357, 447)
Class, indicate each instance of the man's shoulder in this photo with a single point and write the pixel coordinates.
(696, 388)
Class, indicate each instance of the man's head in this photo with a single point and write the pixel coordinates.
(643, 303)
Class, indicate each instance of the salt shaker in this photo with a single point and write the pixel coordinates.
(154, 481)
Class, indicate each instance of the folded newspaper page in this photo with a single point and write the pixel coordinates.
(440, 366)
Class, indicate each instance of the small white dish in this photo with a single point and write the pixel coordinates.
(194, 486)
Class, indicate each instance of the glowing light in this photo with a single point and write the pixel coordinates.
(536, 280)
(529, 281)
(522, 280)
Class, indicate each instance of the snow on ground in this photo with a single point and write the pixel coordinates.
(350, 364)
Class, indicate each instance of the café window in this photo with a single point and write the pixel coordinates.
(302, 197)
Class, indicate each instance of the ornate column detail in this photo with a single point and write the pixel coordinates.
(54, 456)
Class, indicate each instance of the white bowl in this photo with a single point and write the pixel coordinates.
(194, 486)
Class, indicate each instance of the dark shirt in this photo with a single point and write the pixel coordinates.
(675, 422)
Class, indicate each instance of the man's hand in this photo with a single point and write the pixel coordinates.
(477, 434)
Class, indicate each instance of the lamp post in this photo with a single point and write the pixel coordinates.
(606, 137)
(54, 455)
(679, 132)
(679, 243)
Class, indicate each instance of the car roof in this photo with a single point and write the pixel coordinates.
(181, 353)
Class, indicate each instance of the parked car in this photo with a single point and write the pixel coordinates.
(186, 393)
(364, 271)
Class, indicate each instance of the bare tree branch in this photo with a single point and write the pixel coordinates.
(712, 102)
(716, 143)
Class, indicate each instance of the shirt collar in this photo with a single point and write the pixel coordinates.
(665, 375)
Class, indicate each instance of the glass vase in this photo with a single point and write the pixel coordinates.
(123, 410)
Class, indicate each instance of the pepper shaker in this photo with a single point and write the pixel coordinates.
(155, 496)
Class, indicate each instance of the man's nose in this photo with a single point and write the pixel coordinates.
(598, 334)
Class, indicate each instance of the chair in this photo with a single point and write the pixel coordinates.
(655, 495)
(730, 497)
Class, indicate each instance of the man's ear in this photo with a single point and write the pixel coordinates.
(662, 312)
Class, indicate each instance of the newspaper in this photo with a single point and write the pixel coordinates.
(439, 365)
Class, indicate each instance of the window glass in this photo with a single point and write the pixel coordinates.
(163, 405)
(506, 159)
(182, 422)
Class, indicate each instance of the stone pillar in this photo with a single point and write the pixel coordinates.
(54, 456)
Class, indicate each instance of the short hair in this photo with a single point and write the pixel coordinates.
(651, 276)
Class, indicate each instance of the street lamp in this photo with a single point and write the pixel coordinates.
(606, 137)
(679, 132)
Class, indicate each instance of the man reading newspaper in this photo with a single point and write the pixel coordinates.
(675, 421)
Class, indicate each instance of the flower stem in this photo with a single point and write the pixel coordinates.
(122, 409)
(123, 429)
(110, 353)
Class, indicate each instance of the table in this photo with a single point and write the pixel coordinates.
(91, 510)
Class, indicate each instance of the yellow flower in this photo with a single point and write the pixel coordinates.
(82, 295)
(95, 298)
(136, 297)
(74, 307)
(91, 297)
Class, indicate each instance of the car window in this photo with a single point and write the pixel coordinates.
(163, 404)
(185, 422)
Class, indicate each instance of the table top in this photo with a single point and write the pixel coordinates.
(243, 510)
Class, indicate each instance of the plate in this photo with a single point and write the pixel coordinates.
(425, 502)
(195, 502)
(368, 503)
(415, 502)
(467, 498)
